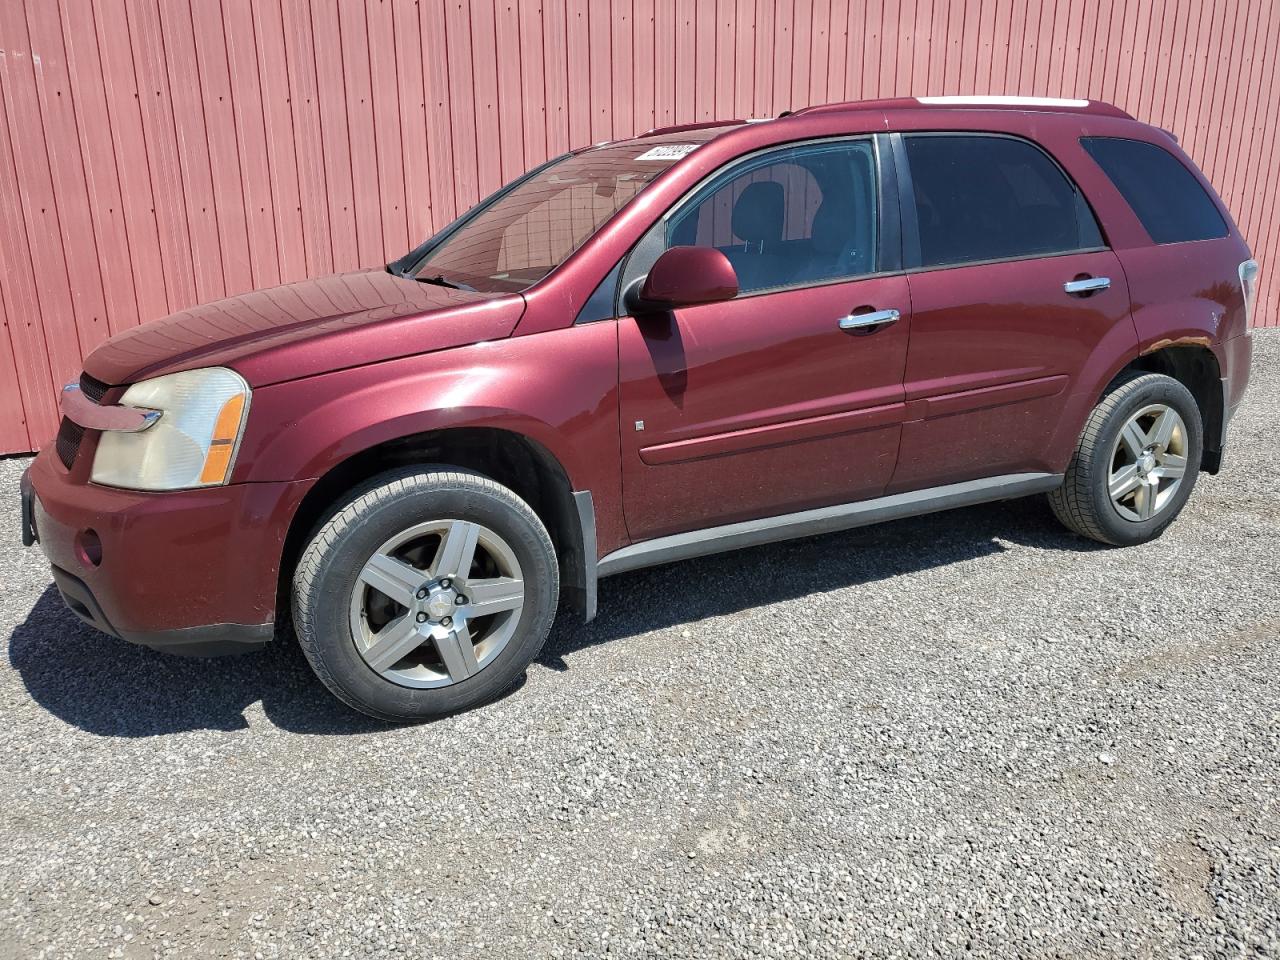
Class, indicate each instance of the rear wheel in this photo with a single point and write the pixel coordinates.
(428, 592)
(1136, 462)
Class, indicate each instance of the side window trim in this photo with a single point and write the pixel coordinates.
(889, 255)
(640, 258)
(603, 302)
(913, 259)
(908, 216)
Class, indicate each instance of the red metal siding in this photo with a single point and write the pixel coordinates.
(157, 153)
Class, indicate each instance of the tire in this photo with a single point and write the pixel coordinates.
(396, 531)
(1084, 503)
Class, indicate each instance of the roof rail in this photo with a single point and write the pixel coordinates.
(1050, 104)
(1003, 101)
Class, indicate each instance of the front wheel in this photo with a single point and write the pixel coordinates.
(1136, 462)
(428, 592)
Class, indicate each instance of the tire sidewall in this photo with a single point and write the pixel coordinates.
(329, 598)
(1159, 389)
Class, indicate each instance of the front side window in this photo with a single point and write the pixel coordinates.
(803, 214)
(529, 230)
(1169, 201)
(981, 198)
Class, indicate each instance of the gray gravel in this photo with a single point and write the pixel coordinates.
(967, 734)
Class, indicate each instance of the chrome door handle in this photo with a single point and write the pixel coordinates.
(1090, 285)
(859, 321)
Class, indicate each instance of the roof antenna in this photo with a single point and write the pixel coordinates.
(785, 113)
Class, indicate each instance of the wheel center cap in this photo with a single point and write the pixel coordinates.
(440, 605)
(1146, 463)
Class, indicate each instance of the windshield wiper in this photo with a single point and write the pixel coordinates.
(440, 281)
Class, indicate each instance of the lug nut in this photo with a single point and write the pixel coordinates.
(444, 584)
(422, 593)
(447, 622)
(422, 618)
(460, 600)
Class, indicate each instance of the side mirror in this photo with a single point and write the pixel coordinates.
(684, 276)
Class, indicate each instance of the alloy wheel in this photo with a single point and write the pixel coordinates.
(436, 603)
(1148, 462)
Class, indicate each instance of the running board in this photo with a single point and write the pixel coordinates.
(807, 523)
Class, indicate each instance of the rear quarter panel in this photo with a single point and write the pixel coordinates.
(1183, 294)
(1190, 294)
(1178, 290)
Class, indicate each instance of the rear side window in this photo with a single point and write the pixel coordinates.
(1167, 198)
(981, 198)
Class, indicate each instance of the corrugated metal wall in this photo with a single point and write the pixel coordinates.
(157, 153)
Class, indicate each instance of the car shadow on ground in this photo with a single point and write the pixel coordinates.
(726, 583)
(111, 688)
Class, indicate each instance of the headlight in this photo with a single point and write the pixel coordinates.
(194, 442)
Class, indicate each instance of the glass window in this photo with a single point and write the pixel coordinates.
(993, 198)
(799, 215)
(522, 235)
(1164, 194)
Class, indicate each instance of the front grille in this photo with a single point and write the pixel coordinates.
(95, 390)
(71, 435)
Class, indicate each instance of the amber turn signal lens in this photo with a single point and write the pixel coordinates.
(218, 461)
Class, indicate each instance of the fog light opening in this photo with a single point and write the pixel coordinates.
(89, 547)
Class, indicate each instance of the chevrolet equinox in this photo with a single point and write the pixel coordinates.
(706, 337)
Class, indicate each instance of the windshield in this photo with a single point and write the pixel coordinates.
(529, 231)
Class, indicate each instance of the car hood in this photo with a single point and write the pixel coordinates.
(312, 326)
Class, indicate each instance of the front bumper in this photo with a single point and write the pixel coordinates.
(192, 571)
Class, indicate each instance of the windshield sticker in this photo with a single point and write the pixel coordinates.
(670, 151)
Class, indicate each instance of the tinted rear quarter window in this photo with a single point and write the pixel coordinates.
(982, 198)
(1164, 194)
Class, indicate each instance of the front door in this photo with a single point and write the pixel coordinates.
(766, 404)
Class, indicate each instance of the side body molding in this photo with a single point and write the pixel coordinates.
(750, 533)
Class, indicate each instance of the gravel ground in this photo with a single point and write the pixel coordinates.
(971, 734)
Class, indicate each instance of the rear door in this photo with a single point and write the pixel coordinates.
(1012, 289)
(764, 404)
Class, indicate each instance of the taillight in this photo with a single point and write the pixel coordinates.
(1249, 284)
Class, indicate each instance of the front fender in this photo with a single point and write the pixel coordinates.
(559, 388)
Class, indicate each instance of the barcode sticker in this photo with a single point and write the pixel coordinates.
(670, 151)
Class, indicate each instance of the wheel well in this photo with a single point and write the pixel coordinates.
(523, 465)
(1196, 368)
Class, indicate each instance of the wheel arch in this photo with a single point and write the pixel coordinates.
(516, 460)
(1192, 363)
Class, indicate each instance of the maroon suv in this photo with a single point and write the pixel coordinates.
(706, 337)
